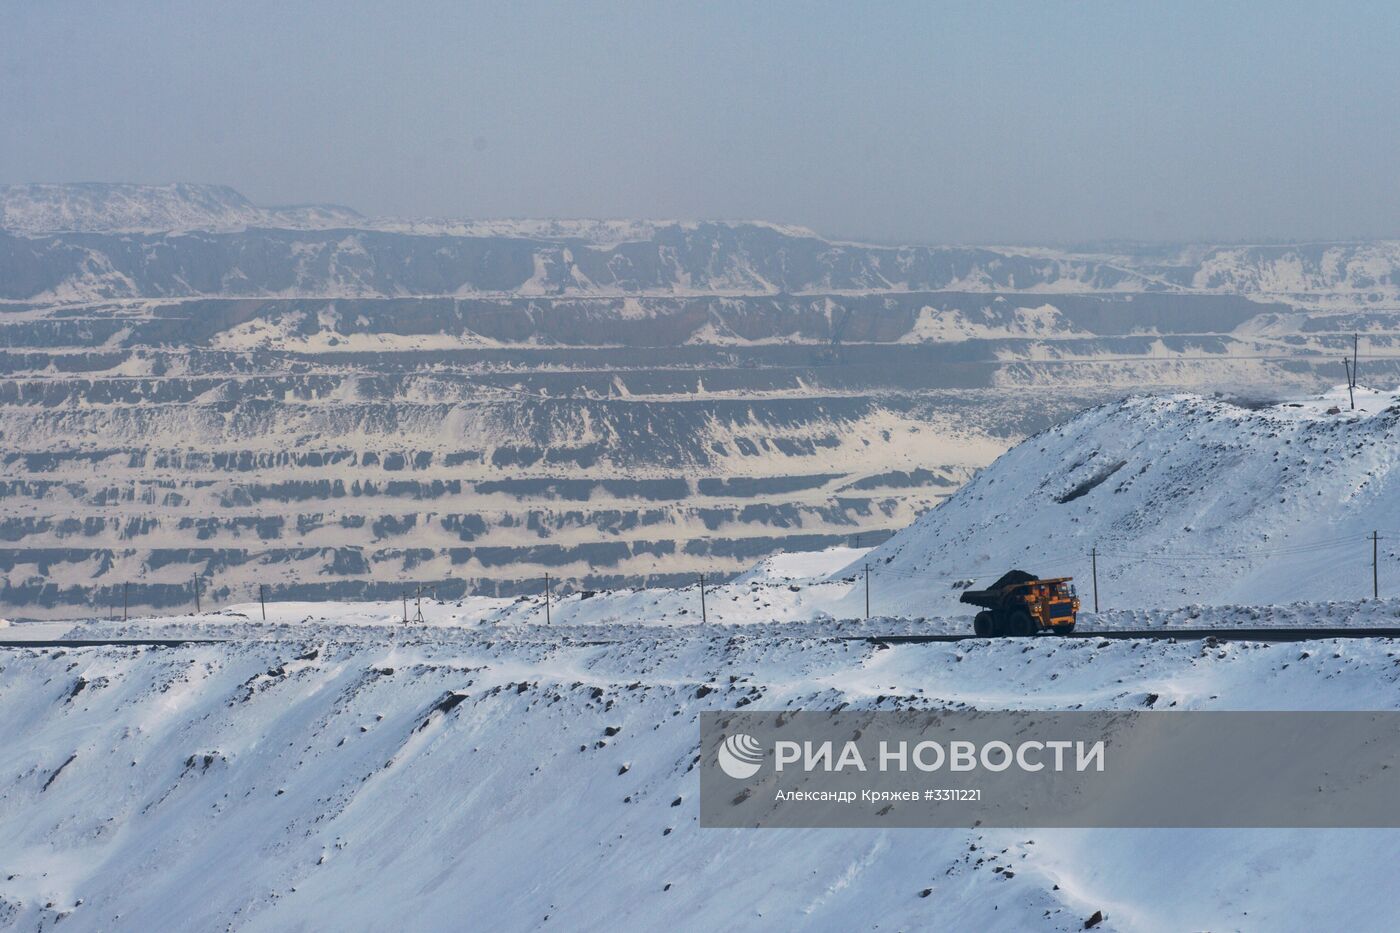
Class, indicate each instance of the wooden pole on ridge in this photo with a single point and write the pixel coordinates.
(1094, 564)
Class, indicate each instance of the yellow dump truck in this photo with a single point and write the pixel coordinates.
(1022, 604)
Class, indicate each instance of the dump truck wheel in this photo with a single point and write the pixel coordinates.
(1020, 625)
(982, 624)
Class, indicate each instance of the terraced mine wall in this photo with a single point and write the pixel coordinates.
(363, 446)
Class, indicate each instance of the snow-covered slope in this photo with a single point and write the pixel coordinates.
(399, 777)
(1186, 499)
(1336, 269)
(34, 210)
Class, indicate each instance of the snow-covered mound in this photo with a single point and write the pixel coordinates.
(1186, 500)
(436, 779)
(34, 210)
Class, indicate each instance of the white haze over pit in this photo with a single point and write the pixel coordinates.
(1015, 122)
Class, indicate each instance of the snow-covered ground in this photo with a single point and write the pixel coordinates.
(777, 609)
(517, 777)
(503, 765)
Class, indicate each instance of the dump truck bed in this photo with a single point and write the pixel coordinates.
(991, 597)
(987, 599)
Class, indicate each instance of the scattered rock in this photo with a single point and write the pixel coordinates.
(59, 770)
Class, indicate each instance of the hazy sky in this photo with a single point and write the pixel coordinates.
(922, 121)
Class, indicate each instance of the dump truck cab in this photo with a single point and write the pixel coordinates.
(1021, 603)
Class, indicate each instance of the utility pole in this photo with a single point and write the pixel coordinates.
(262, 598)
(1094, 563)
(418, 605)
(195, 577)
(867, 592)
(124, 600)
(547, 620)
(704, 617)
(404, 595)
(1375, 565)
(1351, 386)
